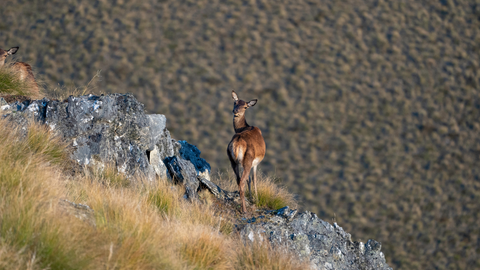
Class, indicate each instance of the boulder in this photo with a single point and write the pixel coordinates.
(326, 246)
(182, 171)
(80, 211)
(191, 153)
(114, 129)
(103, 129)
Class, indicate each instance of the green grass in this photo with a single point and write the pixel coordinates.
(10, 83)
(165, 198)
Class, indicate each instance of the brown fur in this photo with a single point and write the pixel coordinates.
(24, 70)
(246, 149)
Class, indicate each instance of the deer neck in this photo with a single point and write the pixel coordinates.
(239, 123)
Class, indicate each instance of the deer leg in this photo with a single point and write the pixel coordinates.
(249, 182)
(255, 182)
(236, 170)
(237, 173)
(241, 187)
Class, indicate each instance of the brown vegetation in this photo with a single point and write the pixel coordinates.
(374, 104)
(133, 227)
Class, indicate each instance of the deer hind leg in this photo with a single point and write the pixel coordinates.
(241, 186)
(255, 181)
(249, 184)
(236, 170)
(234, 163)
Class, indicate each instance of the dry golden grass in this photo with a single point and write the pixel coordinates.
(14, 259)
(30, 188)
(261, 255)
(136, 226)
(270, 194)
(203, 248)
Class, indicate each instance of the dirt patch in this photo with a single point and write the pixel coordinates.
(13, 98)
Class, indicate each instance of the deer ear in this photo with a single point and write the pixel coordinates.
(234, 96)
(12, 50)
(252, 103)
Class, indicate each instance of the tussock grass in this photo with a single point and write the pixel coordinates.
(270, 195)
(136, 226)
(261, 255)
(31, 225)
(10, 83)
(41, 142)
(204, 249)
(107, 175)
(164, 198)
(13, 259)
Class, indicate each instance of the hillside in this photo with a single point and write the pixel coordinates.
(369, 108)
(99, 219)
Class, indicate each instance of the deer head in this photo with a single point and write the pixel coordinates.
(240, 106)
(4, 54)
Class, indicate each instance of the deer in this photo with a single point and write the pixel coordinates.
(24, 69)
(247, 147)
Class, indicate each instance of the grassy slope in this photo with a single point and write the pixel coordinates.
(137, 227)
(369, 108)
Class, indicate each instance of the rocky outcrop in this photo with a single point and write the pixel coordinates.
(115, 129)
(112, 129)
(324, 245)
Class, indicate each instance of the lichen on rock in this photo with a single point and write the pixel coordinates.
(326, 246)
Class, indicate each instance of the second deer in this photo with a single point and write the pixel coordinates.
(247, 147)
(24, 70)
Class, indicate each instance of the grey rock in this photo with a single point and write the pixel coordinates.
(80, 211)
(103, 129)
(163, 145)
(324, 245)
(191, 153)
(2, 103)
(183, 171)
(217, 191)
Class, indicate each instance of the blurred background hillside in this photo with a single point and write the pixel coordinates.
(370, 109)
